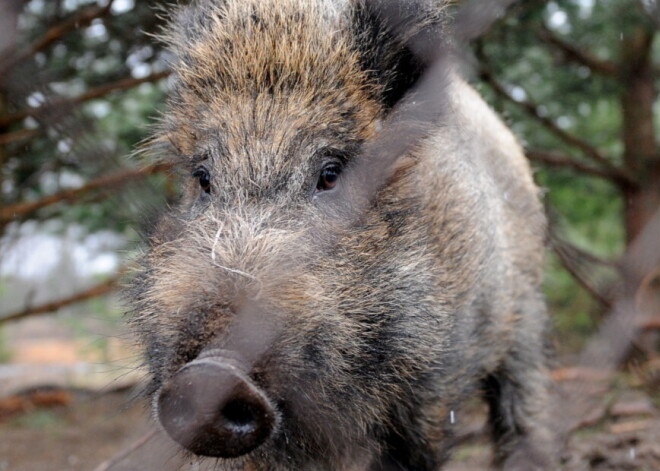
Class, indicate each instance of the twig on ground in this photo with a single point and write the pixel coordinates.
(140, 442)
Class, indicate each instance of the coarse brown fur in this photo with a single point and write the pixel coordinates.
(371, 332)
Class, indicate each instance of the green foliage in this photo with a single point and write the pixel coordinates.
(79, 143)
(571, 306)
(590, 211)
(587, 211)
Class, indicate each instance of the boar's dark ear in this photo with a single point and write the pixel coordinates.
(395, 40)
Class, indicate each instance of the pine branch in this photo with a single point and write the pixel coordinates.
(555, 159)
(620, 176)
(572, 267)
(19, 135)
(585, 257)
(574, 54)
(101, 289)
(55, 33)
(579, 263)
(98, 92)
(115, 179)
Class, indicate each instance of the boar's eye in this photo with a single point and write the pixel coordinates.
(204, 178)
(328, 177)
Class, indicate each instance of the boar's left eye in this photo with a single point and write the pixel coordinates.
(328, 177)
(204, 178)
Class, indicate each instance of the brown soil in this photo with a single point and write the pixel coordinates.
(74, 435)
(69, 430)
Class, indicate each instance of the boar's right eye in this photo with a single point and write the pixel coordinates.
(204, 178)
(328, 177)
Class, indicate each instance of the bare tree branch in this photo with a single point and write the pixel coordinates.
(115, 179)
(587, 257)
(555, 159)
(581, 264)
(607, 349)
(574, 54)
(81, 19)
(93, 292)
(18, 135)
(575, 272)
(619, 175)
(98, 92)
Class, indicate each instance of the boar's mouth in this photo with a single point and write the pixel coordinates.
(212, 408)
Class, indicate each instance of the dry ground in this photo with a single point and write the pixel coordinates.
(60, 429)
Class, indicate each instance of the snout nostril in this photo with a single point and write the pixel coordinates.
(212, 408)
(240, 416)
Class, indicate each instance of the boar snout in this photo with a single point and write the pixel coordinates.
(212, 408)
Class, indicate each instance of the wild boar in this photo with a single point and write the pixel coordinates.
(355, 253)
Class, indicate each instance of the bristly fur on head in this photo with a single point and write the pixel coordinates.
(364, 62)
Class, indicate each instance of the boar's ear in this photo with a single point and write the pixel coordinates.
(395, 40)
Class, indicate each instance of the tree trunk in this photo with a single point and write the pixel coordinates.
(3, 157)
(8, 31)
(640, 153)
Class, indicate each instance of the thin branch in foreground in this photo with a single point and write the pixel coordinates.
(101, 289)
(98, 92)
(119, 178)
(608, 348)
(574, 54)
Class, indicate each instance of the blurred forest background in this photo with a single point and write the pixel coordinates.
(81, 81)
